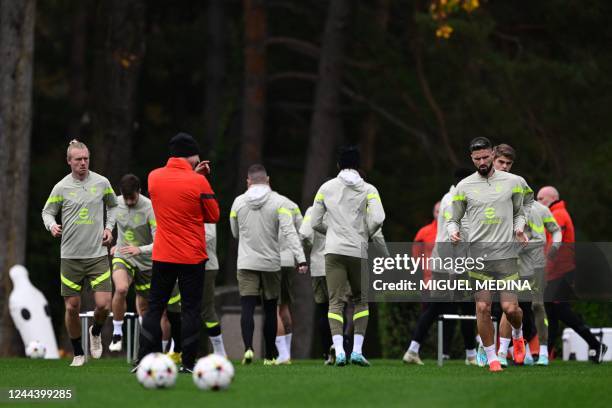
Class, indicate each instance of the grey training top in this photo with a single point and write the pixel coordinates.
(81, 205)
(494, 210)
(136, 226)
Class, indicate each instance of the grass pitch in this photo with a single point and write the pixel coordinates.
(108, 383)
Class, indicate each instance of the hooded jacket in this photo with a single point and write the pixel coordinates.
(287, 258)
(257, 218)
(354, 214)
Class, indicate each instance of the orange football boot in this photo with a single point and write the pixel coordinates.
(495, 366)
(519, 350)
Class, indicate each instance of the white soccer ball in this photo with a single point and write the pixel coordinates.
(156, 370)
(213, 372)
(36, 349)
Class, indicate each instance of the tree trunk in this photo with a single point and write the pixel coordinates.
(326, 129)
(326, 126)
(16, 53)
(370, 125)
(215, 76)
(78, 67)
(120, 47)
(254, 108)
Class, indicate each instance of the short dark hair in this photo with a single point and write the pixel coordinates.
(257, 172)
(480, 143)
(505, 150)
(129, 185)
(349, 158)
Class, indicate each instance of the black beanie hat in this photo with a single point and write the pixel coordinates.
(349, 158)
(183, 145)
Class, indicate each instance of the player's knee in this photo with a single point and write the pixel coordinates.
(103, 304)
(121, 290)
(483, 309)
(72, 304)
(512, 310)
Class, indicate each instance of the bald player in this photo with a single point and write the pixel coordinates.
(559, 273)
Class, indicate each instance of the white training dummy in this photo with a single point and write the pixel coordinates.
(30, 312)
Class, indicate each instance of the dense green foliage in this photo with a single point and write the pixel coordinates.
(531, 74)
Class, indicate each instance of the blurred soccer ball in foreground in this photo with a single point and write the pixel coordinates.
(213, 372)
(36, 349)
(156, 370)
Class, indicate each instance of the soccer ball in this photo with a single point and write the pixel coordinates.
(36, 349)
(156, 370)
(213, 372)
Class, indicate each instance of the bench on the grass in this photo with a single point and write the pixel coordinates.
(133, 331)
(442, 318)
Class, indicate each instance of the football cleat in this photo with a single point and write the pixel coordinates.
(248, 357)
(495, 366)
(95, 344)
(519, 350)
(340, 360)
(359, 359)
(410, 357)
(77, 361)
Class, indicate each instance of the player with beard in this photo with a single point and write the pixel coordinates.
(492, 201)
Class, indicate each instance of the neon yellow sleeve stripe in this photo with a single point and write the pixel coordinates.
(210, 325)
(537, 228)
(527, 190)
(55, 199)
(447, 215)
(549, 219)
(518, 189)
(361, 314)
(373, 196)
(69, 283)
(319, 197)
(335, 317)
(283, 210)
(459, 197)
(174, 299)
(296, 211)
(109, 191)
(101, 278)
(233, 214)
(307, 218)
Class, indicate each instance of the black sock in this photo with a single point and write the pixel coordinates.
(175, 330)
(116, 338)
(323, 321)
(247, 322)
(96, 329)
(77, 348)
(213, 331)
(270, 326)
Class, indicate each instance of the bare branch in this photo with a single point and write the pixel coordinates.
(435, 108)
(311, 50)
(419, 134)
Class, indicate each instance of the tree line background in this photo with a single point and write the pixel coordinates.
(286, 83)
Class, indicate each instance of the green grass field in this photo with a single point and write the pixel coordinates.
(108, 383)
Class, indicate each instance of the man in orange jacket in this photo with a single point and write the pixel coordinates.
(182, 202)
(559, 271)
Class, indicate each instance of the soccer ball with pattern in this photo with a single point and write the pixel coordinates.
(156, 370)
(213, 372)
(36, 349)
